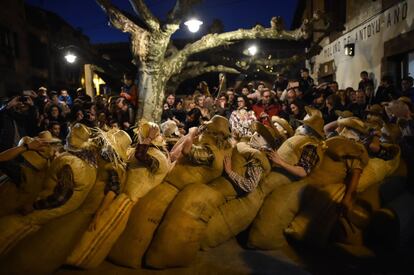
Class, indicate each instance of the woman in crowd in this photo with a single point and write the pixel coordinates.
(242, 118)
(297, 113)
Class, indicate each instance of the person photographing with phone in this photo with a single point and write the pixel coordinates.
(17, 119)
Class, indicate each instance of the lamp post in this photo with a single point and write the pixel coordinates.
(193, 25)
(70, 57)
(252, 50)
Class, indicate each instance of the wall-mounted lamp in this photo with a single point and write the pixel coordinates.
(350, 49)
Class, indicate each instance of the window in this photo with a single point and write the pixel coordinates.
(9, 43)
(337, 10)
(38, 52)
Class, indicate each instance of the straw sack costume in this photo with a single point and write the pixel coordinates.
(147, 168)
(300, 154)
(70, 178)
(33, 172)
(346, 160)
(63, 235)
(200, 161)
(111, 217)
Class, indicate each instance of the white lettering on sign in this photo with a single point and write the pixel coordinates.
(381, 23)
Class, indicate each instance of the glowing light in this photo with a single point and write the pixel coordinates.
(252, 50)
(70, 57)
(193, 25)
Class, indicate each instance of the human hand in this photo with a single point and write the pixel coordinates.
(94, 223)
(29, 100)
(193, 132)
(345, 206)
(275, 158)
(36, 145)
(152, 132)
(127, 96)
(14, 102)
(126, 125)
(263, 115)
(227, 164)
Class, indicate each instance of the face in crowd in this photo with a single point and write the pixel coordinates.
(266, 97)
(240, 103)
(170, 100)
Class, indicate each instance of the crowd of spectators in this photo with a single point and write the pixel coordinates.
(260, 101)
(34, 111)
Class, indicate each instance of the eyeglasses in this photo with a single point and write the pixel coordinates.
(238, 101)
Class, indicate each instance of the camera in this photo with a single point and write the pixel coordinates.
(23, 99)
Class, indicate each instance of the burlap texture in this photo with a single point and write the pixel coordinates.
(177, 239)
(144, 219)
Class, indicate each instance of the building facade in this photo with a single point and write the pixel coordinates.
(373, 36)
(33, 43)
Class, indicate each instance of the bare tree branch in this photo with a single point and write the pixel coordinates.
(198, 68)
(181, 8)
(276, 31)
(117, 18)
(142, 10)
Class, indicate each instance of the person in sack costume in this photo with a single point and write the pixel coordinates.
(37, 154)
(111, 216)
(346, 203)
(198, 159)
(295, 159)
(70, 178)
(64, 234)
(187, 217)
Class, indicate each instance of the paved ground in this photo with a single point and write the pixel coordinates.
(229, 258)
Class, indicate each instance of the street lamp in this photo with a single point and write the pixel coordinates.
(70, 58)
(193, 25)
(252, 50)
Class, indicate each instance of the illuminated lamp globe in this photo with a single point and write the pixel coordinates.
(70, 58)
(193, 25)
(252, 50)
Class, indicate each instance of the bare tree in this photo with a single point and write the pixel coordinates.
(158, 61)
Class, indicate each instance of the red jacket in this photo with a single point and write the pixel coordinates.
(270, 110)
(131, 94)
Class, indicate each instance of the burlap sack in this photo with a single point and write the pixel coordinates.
(60, 235)
(46, 250)
(317, 214)
(232, 218)
(23, 225)
(277, 211)
(12, 197)
(94, 245)
(378, 169)
(144, 219)
(177, 239)
(185, 172)
(140, 179)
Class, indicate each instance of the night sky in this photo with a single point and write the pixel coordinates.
(90, 18)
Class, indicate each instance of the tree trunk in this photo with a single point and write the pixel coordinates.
(151, 94)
